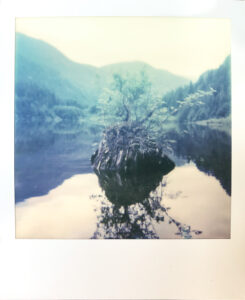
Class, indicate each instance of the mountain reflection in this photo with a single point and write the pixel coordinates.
(134, 206)
(44, 158)
(209, 149)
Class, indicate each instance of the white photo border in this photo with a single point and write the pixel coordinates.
(107, 269)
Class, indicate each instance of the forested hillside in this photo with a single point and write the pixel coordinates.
(203, 107)
(50, 87)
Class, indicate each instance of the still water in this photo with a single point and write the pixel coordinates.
(59, 196)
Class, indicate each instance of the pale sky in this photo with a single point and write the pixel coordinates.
(183, 46)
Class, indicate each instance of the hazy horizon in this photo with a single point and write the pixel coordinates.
(183, 46)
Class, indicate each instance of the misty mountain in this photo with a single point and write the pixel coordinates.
(162, 81)
(49, 86)
(45, 79)
(39, 64)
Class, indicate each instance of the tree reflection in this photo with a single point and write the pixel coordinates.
(131, 207)
(209, 149)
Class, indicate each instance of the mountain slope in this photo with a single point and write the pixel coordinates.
(217, 105)
(41, 64)
(38, 63)
(162, 81)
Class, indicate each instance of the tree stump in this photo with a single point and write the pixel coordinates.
(128, 148)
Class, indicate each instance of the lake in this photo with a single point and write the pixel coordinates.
(58, 195)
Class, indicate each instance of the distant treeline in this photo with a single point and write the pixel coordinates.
(217, 105)
(49, 88)
(35, 105)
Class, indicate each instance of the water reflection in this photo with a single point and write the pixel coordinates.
(126, 188)
(65, 212)
(135, 205)
(199, 200)
(45, 157)
(209, 149)
(185, 202)
(57, 202)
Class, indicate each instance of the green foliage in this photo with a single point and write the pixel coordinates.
(45, 78)
(161, 80)
(209, 97)
(32, 104)
(130, 99)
